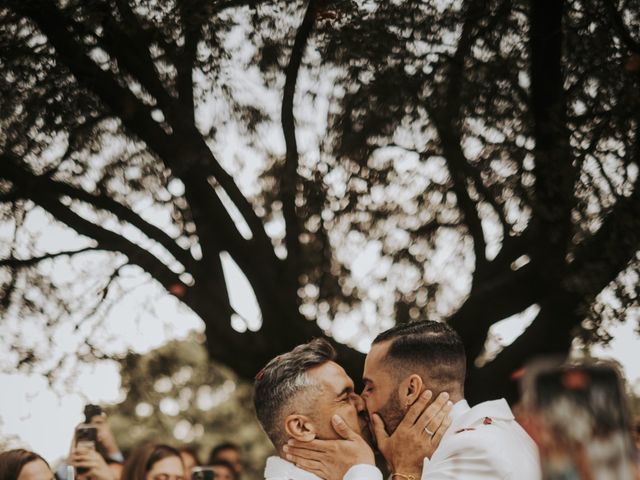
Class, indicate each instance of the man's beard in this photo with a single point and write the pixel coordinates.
(391, 413)
(365, 430)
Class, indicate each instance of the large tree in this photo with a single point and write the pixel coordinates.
(485, 151)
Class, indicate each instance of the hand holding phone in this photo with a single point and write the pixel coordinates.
(579, 419)
(85, 439)
(88, 462)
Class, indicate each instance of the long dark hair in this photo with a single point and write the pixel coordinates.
(12, 462)
(142, 459)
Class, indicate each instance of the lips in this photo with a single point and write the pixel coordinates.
(365, 428)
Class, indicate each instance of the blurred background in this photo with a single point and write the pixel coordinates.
(188, 189)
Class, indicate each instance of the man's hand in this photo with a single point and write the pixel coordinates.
(416, 437)
(96, 467)
(331, 459)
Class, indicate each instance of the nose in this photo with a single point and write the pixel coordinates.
(358, 402)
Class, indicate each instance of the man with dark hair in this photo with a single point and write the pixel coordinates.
(223, 470)
(483, 442)
(304, 395)
(228, 452)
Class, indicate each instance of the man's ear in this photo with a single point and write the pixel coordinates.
(410, 389)
(300, 427)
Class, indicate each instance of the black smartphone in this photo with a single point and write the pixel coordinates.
(86, 436)
(582, 419)
(203, 473)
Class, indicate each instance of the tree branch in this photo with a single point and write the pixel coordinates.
(554, 170)
(45, 185)
(447, 123)
(289, 182)
(192, 27)
(518, 290)
(111, 241)
(29, 262)
(137, 116)
(599, 259)
(134, 56)
(456, 161)
(134, 114)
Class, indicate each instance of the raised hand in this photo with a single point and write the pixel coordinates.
(92, 461)
(417, 436)
(331, 459)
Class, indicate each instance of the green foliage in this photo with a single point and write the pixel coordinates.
(175, 395)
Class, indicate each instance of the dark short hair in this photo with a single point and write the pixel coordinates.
(220, 447)
(432, 349)
(282, 380)
(144, 457)
(224, 463)
(13, 461)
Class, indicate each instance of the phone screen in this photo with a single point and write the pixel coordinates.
(581, 411)
(86, 436)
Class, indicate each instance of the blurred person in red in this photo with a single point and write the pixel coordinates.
(20, 464)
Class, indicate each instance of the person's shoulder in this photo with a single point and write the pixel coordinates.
(493, 440)
(477, 438)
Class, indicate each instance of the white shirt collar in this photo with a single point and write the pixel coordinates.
(279, 469)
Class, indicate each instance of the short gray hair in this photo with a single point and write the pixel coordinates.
(282, 380)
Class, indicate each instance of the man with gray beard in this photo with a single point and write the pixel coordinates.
(403, 365)
(304, 396)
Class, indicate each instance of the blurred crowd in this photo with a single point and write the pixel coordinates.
(94, 455)
(100, 458)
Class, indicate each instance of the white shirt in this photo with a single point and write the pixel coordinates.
(279, 469)
(483, 442)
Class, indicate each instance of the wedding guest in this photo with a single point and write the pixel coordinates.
(20, 464)
(190, 459)
(153, 462)
(229, 452)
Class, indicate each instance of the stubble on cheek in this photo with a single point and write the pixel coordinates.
(391, 413)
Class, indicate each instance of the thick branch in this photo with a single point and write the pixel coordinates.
(134, 57)
(447, 123)
(289, 183)
(550, 333)
(135, 115)
(554, 170)
(192, 20)
(44, 185)
(517, 290)
(111, 241)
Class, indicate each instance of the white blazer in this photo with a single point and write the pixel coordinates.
(483, 442)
